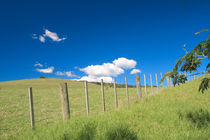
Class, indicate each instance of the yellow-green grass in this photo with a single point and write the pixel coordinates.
(174, 113)
(14, 103)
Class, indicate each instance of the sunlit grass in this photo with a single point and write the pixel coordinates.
(154, 117)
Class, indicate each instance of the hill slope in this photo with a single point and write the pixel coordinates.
(175, 113)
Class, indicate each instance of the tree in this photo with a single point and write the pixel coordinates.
(190, 62)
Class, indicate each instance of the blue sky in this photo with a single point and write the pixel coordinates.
(77, 34)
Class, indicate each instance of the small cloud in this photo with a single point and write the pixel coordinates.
(38, 65)
(135, 71)
(67, 73)
(47, 70)
(34, 36)
(53, 36)
(42, 39)
(48, 34)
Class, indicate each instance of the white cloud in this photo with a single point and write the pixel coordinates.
(53, 36)
(135, 71)
(47, 70)
(48, 34)
(38, 65)
(42, 39)
(107, 69)
(96, 79)
(125, 63)
(66, 73)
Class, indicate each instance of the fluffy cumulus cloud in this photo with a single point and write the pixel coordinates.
(47, 70)
(96, 79)
(66, 73)
(48, 34)
(107, 70)
(125, 63)
(135, 71)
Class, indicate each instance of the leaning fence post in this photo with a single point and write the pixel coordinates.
(145, 84)
(31, 105)
(156, 81)
(65, 101)
(151, 83)
(161, 77)
(126, 88)
(102, 92)
(115, 93)
(86, 96)
(138, 86)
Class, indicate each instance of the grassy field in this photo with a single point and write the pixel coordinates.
(173, 113)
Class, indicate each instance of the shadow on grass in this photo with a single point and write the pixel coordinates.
(200, 118)
(121, 132)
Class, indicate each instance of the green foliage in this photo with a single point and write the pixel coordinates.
(208, 68)
(191, 61)
(177, 78)
(42, 77)
(204, 84)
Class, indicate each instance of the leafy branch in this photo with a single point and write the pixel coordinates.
(190, 62)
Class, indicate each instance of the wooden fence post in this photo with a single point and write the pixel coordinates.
(167, 79)
(102, 92)
(86, 96)
(151, 83)
(161, 75)
(171, 82)
(194, 76)
(145, 85)
(31, 105)
(138, 86)
(65, 101)
(156, 81)
(115, 93)
(126, 88)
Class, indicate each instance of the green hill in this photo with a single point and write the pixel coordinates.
(173, 113)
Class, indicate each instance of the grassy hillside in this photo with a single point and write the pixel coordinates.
(14, 104)
(175, 113)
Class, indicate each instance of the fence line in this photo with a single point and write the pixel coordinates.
(65, 97)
